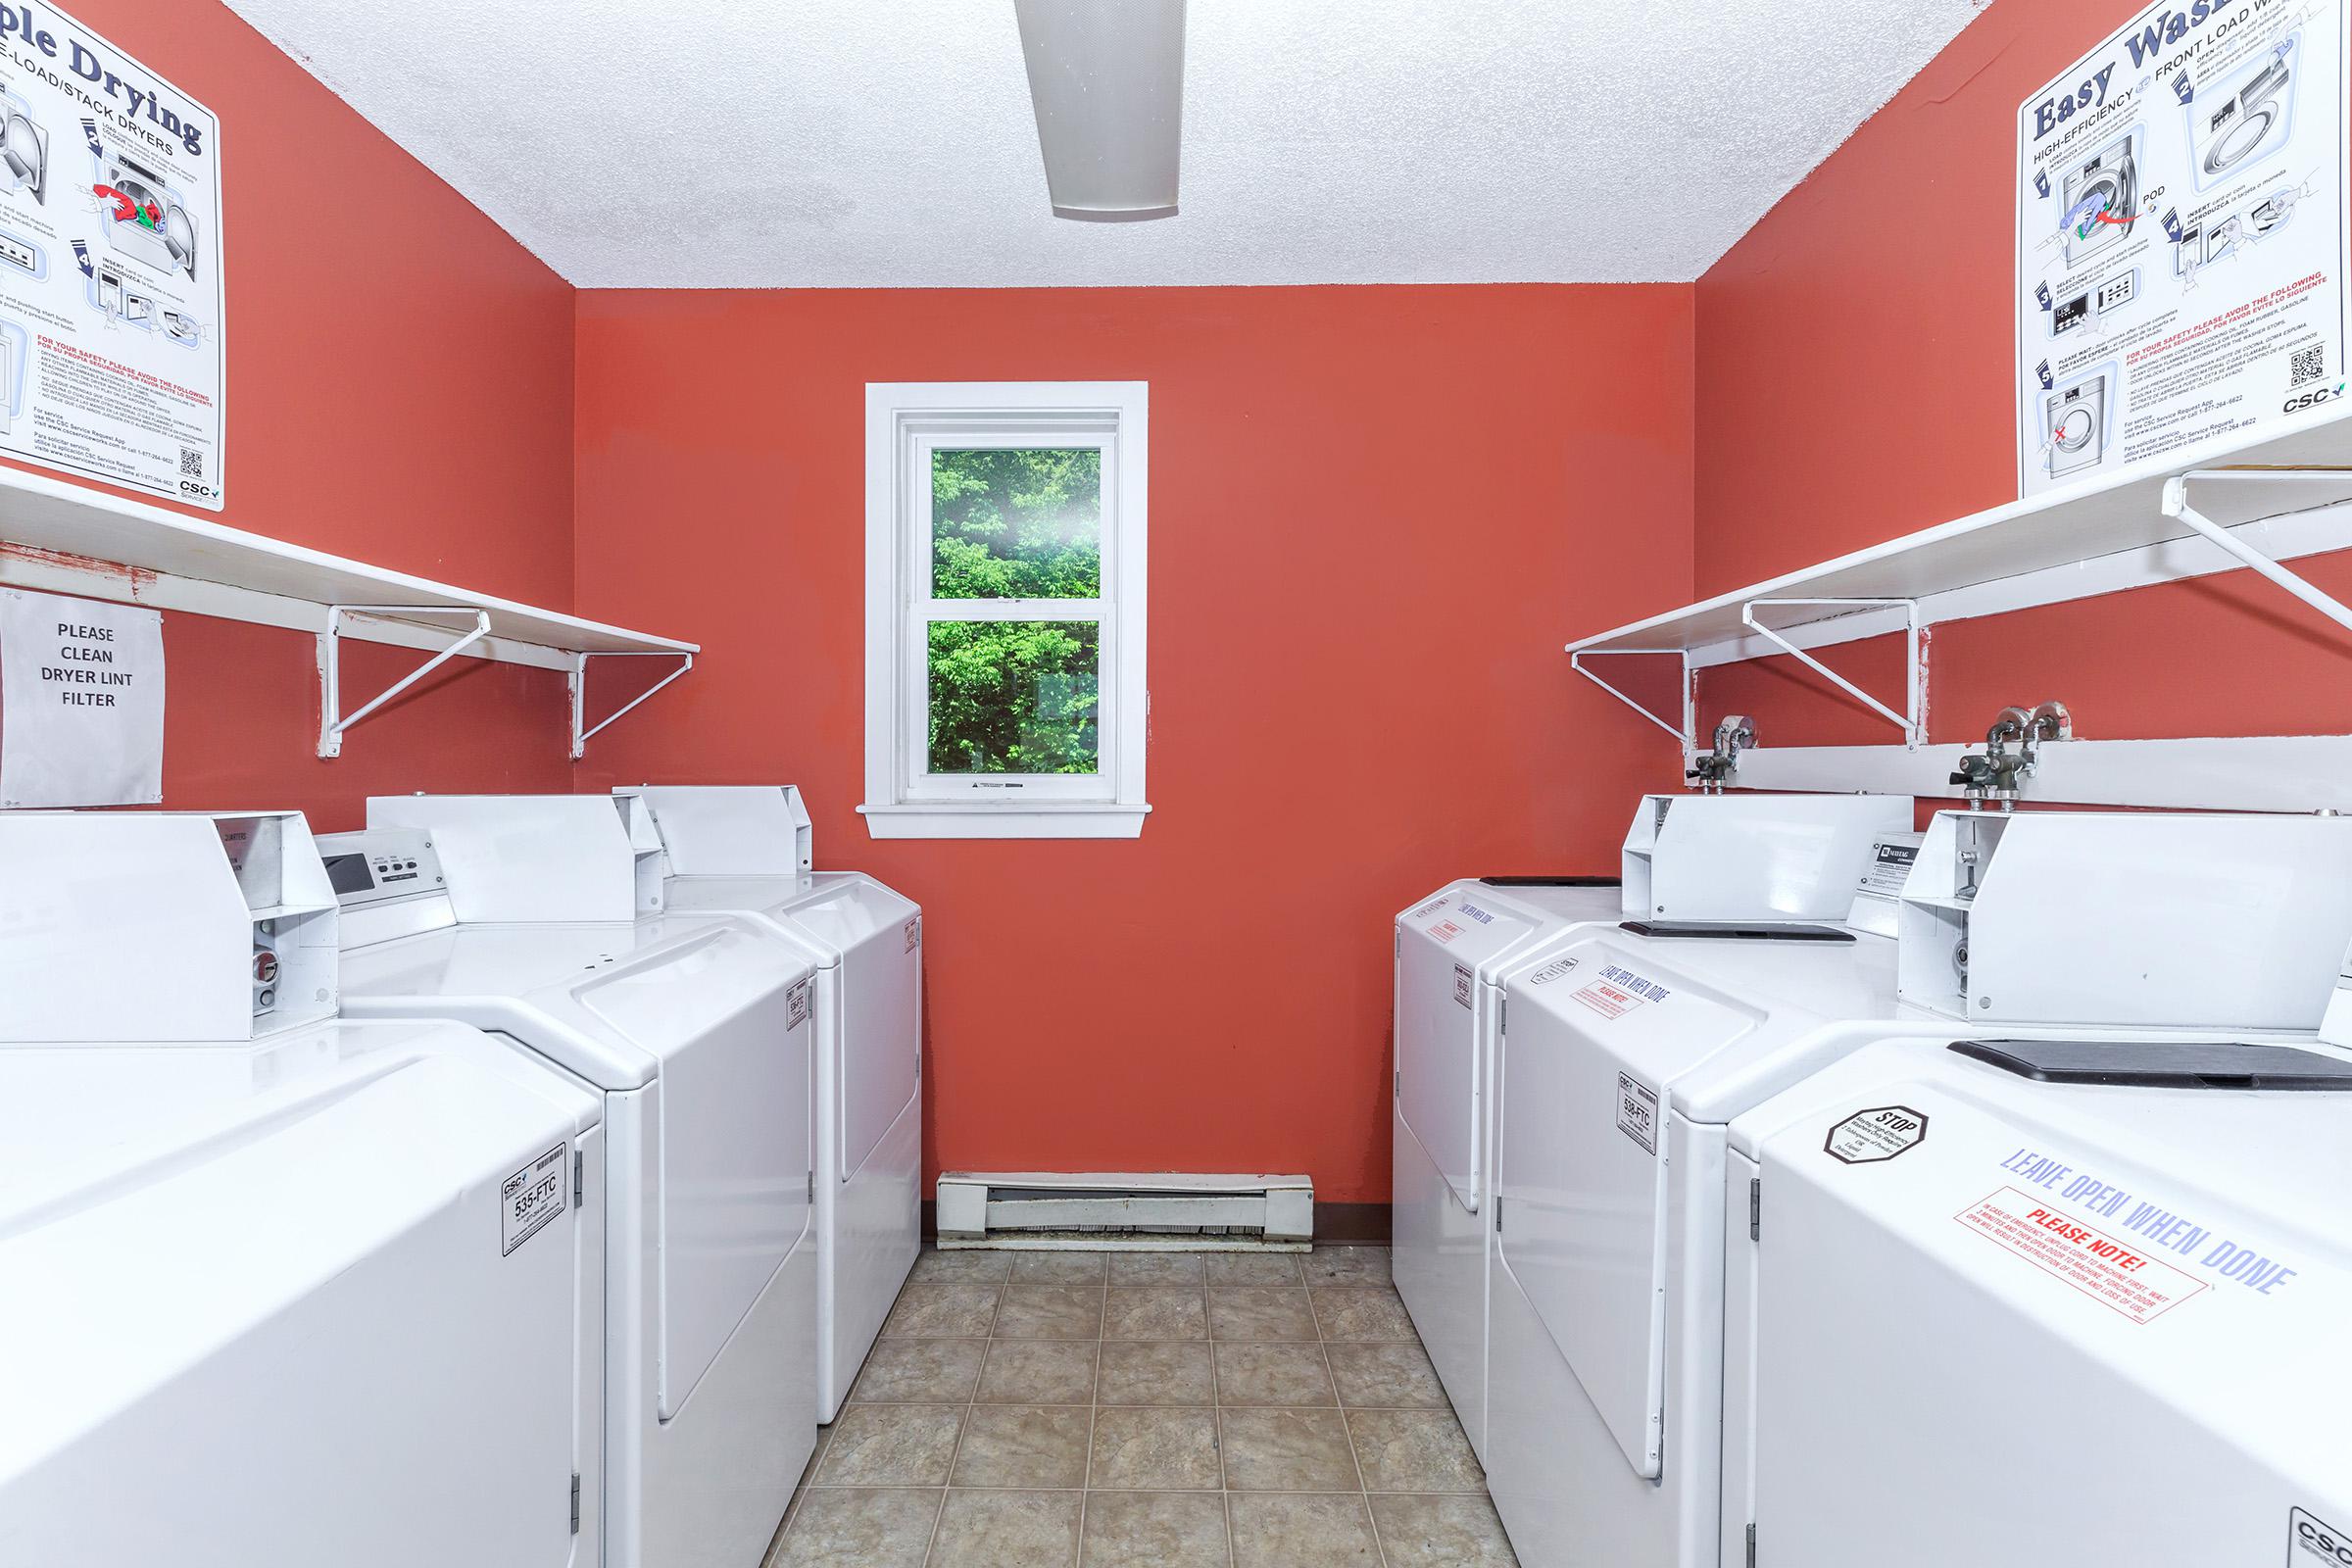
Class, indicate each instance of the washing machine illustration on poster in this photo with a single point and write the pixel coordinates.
(140, 215)
(2246, 118)
(2075, 417)
(2101, 197)
(24, 149)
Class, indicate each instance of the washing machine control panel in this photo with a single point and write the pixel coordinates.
(379, 865)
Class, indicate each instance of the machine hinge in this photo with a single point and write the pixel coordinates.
(575, 1503)
(1752, 1546)
(1499, 1213)
(1755, 1208)
(812, 1185)
(580, 1177)
(1503, 1019)
(1397, 1083)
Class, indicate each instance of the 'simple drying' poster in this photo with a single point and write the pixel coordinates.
(110, 264)
(2181, 240)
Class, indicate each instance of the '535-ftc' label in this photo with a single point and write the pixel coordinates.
(533, 1197)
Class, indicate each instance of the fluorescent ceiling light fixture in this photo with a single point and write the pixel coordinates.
(1106, 78)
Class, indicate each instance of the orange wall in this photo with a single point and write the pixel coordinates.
(1376, 514)
(1854, 365)
(402, 395)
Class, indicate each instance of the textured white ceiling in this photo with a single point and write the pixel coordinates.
(782, 143)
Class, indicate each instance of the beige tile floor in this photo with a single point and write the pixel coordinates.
(1116, 1410)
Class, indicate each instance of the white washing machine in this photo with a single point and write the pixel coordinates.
(1625, 1059)
(748, 850)
(515, 913)
(2058, 1301)
(281, 1290)
(1450, 951)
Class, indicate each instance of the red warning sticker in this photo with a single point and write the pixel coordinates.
(1445, 931)
(1608, 999)
(2117, 1277)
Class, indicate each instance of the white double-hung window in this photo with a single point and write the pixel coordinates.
(1004, 610)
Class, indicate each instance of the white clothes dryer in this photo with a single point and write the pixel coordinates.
(515, 913)
(262, 1269)
(748, 850)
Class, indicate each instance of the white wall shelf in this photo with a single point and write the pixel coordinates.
(2223, 504)
(59, 537)
(2091, 538)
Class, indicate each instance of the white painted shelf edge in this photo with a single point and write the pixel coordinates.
(63, 537)
(2095, 537)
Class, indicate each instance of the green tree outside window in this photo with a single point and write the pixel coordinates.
(1015, 696)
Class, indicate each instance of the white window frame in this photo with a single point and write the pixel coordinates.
(904, 422)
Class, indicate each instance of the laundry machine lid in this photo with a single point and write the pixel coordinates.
(1598, 1034)
(2149, 1281)
(245, 1271)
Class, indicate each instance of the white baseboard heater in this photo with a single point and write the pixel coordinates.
(1109, 1210)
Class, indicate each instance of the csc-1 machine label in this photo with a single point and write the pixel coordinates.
(534, 1197)
(1637, 1111)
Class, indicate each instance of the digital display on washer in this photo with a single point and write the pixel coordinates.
(349, 873)
(2070, 313)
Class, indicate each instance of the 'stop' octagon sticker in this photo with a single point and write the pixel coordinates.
(1879, 1133)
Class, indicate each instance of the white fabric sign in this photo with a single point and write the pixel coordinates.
(82, 701)
(2183, 243)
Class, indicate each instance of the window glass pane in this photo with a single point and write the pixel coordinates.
(1014, 696)
(1017, 522)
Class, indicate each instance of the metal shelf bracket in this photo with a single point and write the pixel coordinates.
(1912, 721)
(333, 722)
(1687, 734)
(582, 729)
(2176, 506)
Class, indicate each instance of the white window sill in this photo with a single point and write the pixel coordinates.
(1044, 819)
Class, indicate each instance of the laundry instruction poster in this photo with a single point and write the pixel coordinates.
(110, 264)
(2182, 237)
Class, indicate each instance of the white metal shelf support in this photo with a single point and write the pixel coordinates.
(582, 729)
(1912, 721)
(2176, 506)
(333, 722)
(1687, 734)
